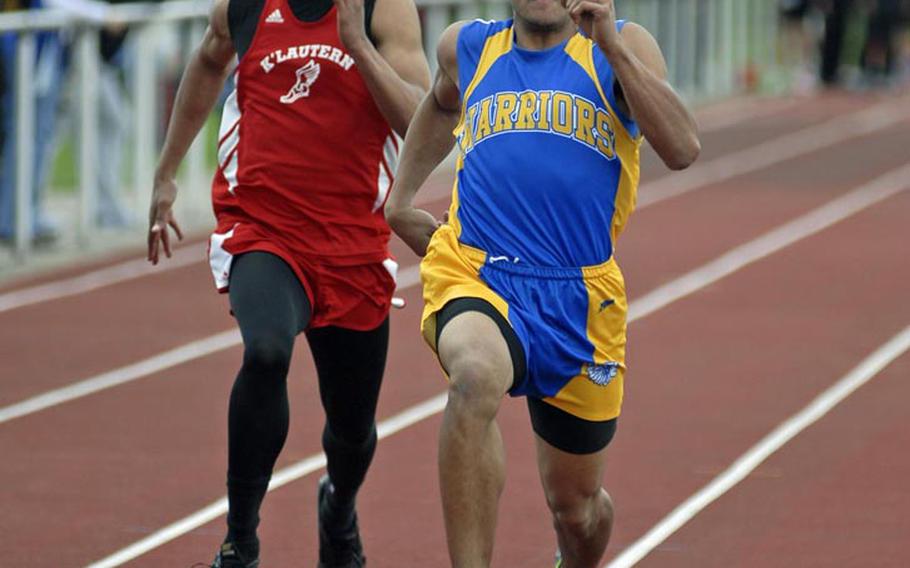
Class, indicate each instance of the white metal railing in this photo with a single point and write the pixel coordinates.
(709, 46)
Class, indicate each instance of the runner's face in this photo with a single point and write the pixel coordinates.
(542, 15)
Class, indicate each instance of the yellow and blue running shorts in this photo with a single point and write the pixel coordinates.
(571, 322)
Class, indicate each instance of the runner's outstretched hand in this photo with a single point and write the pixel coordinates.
(161, 216)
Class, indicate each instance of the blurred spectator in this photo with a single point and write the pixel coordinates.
(2, 102)
(113, 109)
(836, 13)
(113, 118)
(879, 57)
(798, 43)
(903, 43)
(878, 51)
(49, 67)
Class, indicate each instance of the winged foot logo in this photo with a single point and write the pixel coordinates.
(603, 375)
(306, 76)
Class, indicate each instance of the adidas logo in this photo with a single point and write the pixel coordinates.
(275, 17)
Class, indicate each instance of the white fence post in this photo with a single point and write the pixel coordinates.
(769, 23)
(88, 65)
(25, 142)
(727, 57)
(690, 53)
(741, 34)
(711, 48)
(196, 197)
(669, 25)
(436, 21)
(145, 127)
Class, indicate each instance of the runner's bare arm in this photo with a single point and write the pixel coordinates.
(199, 89)
(664, 120)
(428, 142)
(395, 69)
(200, 86)
(642, 75)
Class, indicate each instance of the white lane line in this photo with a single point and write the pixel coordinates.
(745, 161)
(122, 272)
(776, 151)
(783, 236)
(144, 368)
(758, 453)
(713, 120)
(386, 428)
(689, 283)
(407, 278)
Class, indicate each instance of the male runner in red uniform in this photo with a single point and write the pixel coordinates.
(306, 156)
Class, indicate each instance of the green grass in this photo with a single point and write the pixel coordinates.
(64, 177)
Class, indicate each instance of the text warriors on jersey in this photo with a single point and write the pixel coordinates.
(554, 112)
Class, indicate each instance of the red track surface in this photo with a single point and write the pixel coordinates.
(709, 376)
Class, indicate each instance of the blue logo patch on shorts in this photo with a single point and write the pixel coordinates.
(602, 375)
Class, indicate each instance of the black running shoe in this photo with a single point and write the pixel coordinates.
(337, 550)
(230, 557)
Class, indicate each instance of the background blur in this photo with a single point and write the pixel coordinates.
(87, 87)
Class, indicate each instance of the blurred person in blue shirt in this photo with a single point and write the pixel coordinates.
(49, 71)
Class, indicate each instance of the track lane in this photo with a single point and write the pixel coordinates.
(659, 456)
(836, 493)
(834, 496)
(840, 289)
(124, 448)
(663, 451)
(515, 422)
(50, 345)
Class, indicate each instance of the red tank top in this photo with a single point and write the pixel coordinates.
(304, 153)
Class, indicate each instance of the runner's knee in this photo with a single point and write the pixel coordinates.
(268, 355)
(475, 387)
(349, 435)
(579, 512)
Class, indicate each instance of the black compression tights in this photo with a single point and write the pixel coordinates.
(271, 308)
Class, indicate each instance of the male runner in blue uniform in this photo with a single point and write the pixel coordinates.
(523, 295)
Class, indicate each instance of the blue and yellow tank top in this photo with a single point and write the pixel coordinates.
(548, 168)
